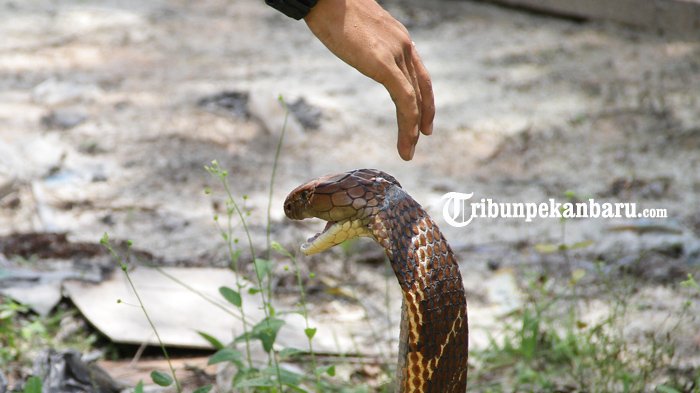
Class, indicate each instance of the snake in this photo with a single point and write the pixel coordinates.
(433, 341)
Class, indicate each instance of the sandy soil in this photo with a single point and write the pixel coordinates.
(103, 128)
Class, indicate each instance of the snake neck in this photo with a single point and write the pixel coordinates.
(434, 336)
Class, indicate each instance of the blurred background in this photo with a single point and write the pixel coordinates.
(110, 111)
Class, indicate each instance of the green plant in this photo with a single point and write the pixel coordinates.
(545, 348)
(11, 333)
(33, 385)
(158, 377)
(269, 377)
(22, 333)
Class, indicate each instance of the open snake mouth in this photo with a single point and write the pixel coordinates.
(334, 233)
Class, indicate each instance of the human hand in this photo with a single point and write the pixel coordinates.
(364, 35)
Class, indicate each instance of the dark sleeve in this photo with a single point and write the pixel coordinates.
(296, 9)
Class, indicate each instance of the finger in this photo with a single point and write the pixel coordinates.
(407, 113)
(408, 69)
(425, 85)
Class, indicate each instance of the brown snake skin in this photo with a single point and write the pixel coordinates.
(367, 202)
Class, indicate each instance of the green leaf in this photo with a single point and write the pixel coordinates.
(310, 332)
(204, 389)
(262, 267)
(231, 296)
(546, 248)
(33, 385)
(690, 282)
(253, 291)
(290, 353)
(226, 355)
(570, 195)
(287, 377)
(211, 340)
(235, 255)
(300, 390)
(244, 373)
(666, 389)
(265, 331)
(529, 335)
(139, 387)
(330, 370)
(582, 244)
(264, 381)
(161, 379)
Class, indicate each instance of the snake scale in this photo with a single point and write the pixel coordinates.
(366, 202)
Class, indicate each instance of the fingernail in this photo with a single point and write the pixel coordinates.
(407, 155)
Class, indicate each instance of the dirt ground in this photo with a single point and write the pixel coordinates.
(109, 111)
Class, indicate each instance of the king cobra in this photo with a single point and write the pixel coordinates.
(366, 202)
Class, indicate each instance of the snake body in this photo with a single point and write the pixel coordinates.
(367, 202)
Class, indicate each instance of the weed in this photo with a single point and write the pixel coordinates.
(158, 377)
(546, 350)
(270, 377)
(22, 332)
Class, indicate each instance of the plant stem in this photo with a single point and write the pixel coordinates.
(278, 150)
(125, 269)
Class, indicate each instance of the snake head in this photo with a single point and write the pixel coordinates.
(347, 201)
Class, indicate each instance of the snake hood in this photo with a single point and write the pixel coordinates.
(347, 201)
(434, 332)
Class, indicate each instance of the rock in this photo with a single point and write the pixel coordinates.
(654, 188)
(53, 92)
(30, 156)
(39, 287)
(7, 185)
(67, 372)
(3, 383)
(265, 106)
(308, 115)
(232, 102)
(63, 119)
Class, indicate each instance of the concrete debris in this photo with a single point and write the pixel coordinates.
(3, 382)
(69, 372)
(54, 92)
(265, 106)
(7, 185)
(64, 119)
(308, 115)
(182, 302)
(31, 156)
(39, 288)
(234, 103)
